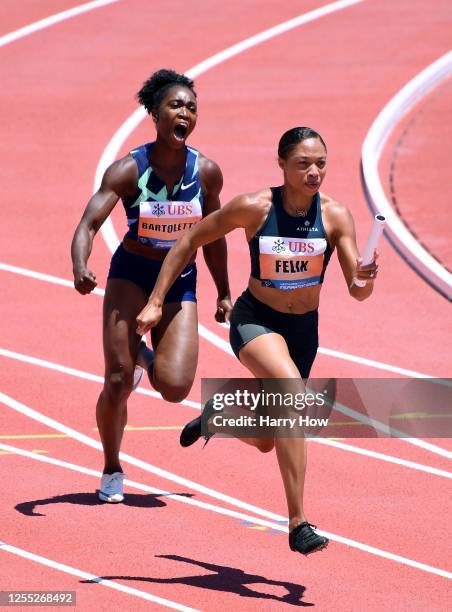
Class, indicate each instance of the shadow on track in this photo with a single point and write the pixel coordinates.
(90, 499)
(225, 579)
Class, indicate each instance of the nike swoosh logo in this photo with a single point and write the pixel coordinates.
(184, 187)
(186, 273)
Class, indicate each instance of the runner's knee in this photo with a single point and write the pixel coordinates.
(265, 445)
(173, 392)
(118, 383)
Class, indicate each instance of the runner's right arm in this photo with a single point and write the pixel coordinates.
(119, 180)
(236, 213)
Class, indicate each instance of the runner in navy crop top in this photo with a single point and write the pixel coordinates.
(291, 231)
(290, 252)
(166, 188)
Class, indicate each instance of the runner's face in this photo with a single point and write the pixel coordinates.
(176, 117)
(305, 167)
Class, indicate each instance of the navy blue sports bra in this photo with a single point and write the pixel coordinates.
(156, 218)
(290, 252)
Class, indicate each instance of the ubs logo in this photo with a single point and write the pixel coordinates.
(279, 246)
(158, 210)
(301, 247)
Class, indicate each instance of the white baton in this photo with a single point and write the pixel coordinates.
(371, 244)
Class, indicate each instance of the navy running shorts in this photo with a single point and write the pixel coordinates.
(143, 271)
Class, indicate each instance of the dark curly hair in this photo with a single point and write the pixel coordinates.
(155, 88)
(291, 138)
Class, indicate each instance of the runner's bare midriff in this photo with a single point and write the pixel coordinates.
(297, 301)
(135, 248)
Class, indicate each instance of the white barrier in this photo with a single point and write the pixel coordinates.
(397, 233)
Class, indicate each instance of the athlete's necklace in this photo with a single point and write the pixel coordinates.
(299, 212)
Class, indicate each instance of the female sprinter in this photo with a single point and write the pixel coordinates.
(166, 187)
(291, 231)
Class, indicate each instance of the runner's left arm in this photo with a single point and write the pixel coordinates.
(344, 238)
(216, 225)
(216, 253)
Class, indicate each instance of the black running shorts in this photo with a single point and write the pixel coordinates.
(251, 318)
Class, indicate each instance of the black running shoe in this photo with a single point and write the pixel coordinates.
(193, 430)
(305, 540)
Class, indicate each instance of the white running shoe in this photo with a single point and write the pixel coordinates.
(112, 487)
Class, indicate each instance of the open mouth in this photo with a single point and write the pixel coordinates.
(180, 131)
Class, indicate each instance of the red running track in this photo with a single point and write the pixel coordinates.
(66, 90)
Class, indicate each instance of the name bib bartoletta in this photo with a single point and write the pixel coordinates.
(162, 223)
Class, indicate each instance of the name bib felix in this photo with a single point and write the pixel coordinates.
(291, 263)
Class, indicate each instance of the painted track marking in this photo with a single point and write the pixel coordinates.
(112, 149)
(219, 342)
(339, 445)
(67, 569)
(6, 39)
(276, 526)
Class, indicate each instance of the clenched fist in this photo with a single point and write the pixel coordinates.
(149, 317)
(84, 280)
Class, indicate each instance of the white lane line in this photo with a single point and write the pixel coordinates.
(53, 424)
(112, 149)
(222, 344)
(73, 571)
(238, 515)
(396, 231)
(52, 20)
(219, 341)
(82, 374)
(391, 432)
(276, 30)
(98, 379)
(48, 278)
(148, 489)
(379, 365)
(370, 453)
(213, 338)
(76, 435)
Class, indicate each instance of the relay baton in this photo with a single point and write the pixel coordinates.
(371, 244)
